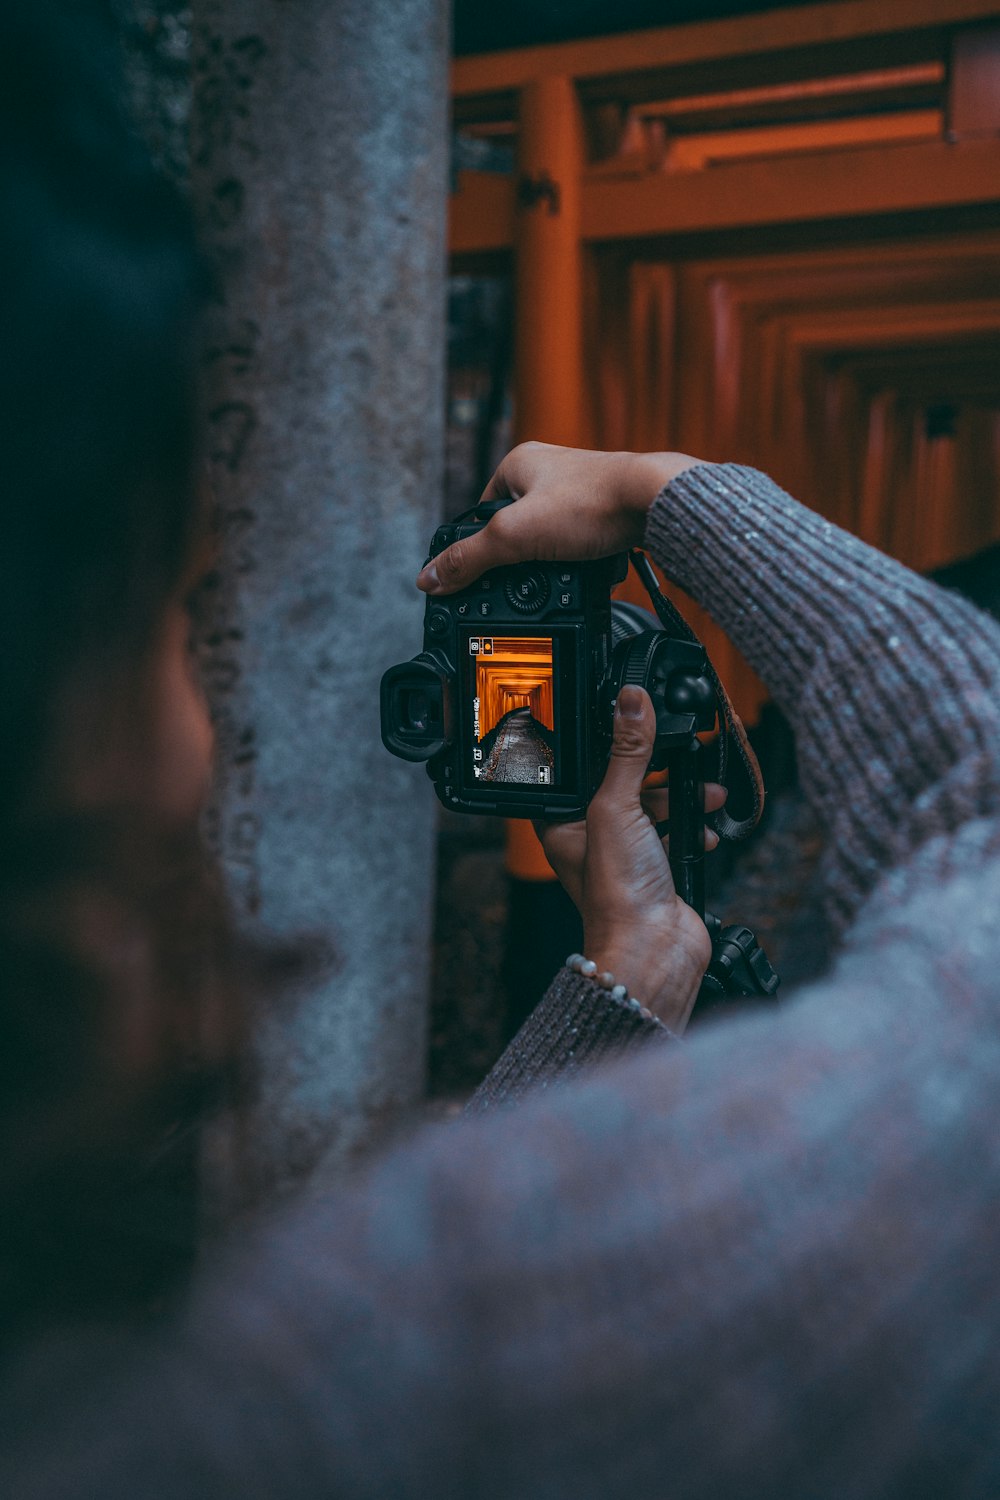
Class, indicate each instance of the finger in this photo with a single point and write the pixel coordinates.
(513, 474)
(565, 846)
(656, 800)
(560, 836)
(626, 872)
(498, 487)
(631, 747)
(656, 805)
(663, 829)
(711, 837)
(502, 485)
(715, 796)
(465, 561)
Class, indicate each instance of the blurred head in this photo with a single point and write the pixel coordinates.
(112, 1013)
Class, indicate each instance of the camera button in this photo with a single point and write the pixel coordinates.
(486, 584)
(565, 578)
(527, 590)
(463, 608)
(566, 601)
(438, 622)
(485, 608)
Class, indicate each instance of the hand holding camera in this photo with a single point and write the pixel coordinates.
(539, 696)
(614, 867)
(573, 505)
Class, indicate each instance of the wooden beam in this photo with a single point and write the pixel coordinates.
(886, 81)
(695, 152)
(702, 41)
(836, 184)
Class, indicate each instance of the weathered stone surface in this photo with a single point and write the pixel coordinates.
(319, 174)
(156, 38)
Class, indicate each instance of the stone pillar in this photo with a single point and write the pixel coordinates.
(319, 176)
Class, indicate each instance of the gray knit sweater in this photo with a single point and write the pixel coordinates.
(765, 1262)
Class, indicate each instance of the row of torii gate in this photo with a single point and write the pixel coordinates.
(632, 153)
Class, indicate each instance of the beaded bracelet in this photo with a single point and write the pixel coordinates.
(587, 968)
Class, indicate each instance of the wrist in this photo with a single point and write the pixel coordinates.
(665, 977)
(648, 474)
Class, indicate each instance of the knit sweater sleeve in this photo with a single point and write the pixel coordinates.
(891, 684)
(576, 1023)
(892, 687)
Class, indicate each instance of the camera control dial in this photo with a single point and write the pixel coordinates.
(527, 590)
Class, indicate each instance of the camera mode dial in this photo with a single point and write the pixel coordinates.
(527, 590)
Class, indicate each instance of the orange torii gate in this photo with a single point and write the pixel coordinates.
(679, 228)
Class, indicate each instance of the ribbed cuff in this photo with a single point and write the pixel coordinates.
(574, 1025)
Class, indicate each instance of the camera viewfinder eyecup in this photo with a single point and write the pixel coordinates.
(416, 704)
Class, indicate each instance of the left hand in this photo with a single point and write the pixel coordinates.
(614, 867)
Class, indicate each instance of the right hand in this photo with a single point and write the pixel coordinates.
(615, 867)
(572, 506)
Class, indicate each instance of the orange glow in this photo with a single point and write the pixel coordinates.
(516, 674)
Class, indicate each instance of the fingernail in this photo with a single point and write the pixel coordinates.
(629, 703)
(428, 579)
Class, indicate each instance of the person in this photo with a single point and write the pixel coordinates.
(761, 1262)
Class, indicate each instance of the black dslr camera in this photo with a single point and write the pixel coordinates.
(510, 702)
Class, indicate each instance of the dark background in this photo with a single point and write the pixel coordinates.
(489, 25)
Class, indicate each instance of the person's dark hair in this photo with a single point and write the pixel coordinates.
(108, 935)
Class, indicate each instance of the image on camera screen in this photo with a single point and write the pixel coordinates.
(513, 710)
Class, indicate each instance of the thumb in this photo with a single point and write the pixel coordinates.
(632, 746)
(463, 562)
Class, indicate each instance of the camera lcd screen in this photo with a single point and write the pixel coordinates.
(513, 682)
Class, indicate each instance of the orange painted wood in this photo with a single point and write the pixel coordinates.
(548, 289)
(820, 367)
(481, 213)
(524, 857)
(823, 366)
(549, 371)
(829, 90)
(844, 183)
(702, 41)
(689, 153)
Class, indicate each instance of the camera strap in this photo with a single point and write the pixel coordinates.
(730, 724)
